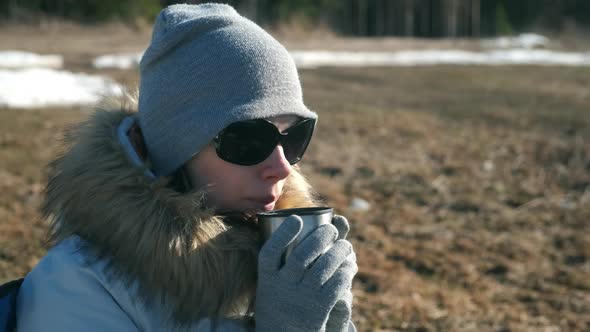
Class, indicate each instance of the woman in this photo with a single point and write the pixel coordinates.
(151, 211)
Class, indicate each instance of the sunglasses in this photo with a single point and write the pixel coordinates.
(252, 141)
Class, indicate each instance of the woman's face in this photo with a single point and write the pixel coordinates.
(232, 187)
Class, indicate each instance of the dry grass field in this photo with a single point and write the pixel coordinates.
(478, 180)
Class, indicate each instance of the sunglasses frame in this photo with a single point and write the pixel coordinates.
(279, 138)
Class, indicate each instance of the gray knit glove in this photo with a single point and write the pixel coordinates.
(340, 317)
(299, 295)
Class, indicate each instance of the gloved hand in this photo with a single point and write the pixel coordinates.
(299, 295)
(340, 317)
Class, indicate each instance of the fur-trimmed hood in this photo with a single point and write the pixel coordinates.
(177, 251)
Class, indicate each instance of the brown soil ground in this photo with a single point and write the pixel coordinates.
(478, 180)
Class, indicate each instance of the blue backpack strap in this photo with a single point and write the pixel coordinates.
(8, 294)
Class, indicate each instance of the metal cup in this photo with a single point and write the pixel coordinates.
(312, 218)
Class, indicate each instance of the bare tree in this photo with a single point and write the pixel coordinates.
(452, 17)
(362, 17)
(475, 18)
(253, 9)
(409, 17)
(12, 6)
(379, 18)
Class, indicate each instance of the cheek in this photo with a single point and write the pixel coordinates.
(224, 183)
(229, 183)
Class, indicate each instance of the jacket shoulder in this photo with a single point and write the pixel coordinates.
(66, 293)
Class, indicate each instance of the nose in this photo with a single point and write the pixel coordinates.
(276, 166)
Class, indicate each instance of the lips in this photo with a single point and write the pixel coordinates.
(264, 203)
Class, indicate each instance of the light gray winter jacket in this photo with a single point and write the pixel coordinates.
(66, 292)
(133, 254)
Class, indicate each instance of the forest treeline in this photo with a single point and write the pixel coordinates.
(427, 18)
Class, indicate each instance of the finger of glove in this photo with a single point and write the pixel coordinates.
(269, 258)
(350, 263)
(337, 286)
(339, 316)
(307, 251)
(347, 298)
(327, 264)
(342, 225)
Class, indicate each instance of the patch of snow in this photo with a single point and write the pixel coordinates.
(313, 59)
(525, 40)
(567, 204)
(359, 204)
(538, 57)
(41, 87)
(117, 61)
(19, 59)
(521, 53)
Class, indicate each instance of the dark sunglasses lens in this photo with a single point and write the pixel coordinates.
(247, 142)
(297, 140)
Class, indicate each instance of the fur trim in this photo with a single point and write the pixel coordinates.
(178, 251)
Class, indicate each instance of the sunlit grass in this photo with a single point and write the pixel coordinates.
(478, 180)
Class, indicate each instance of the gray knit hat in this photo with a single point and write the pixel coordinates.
(207, 67)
